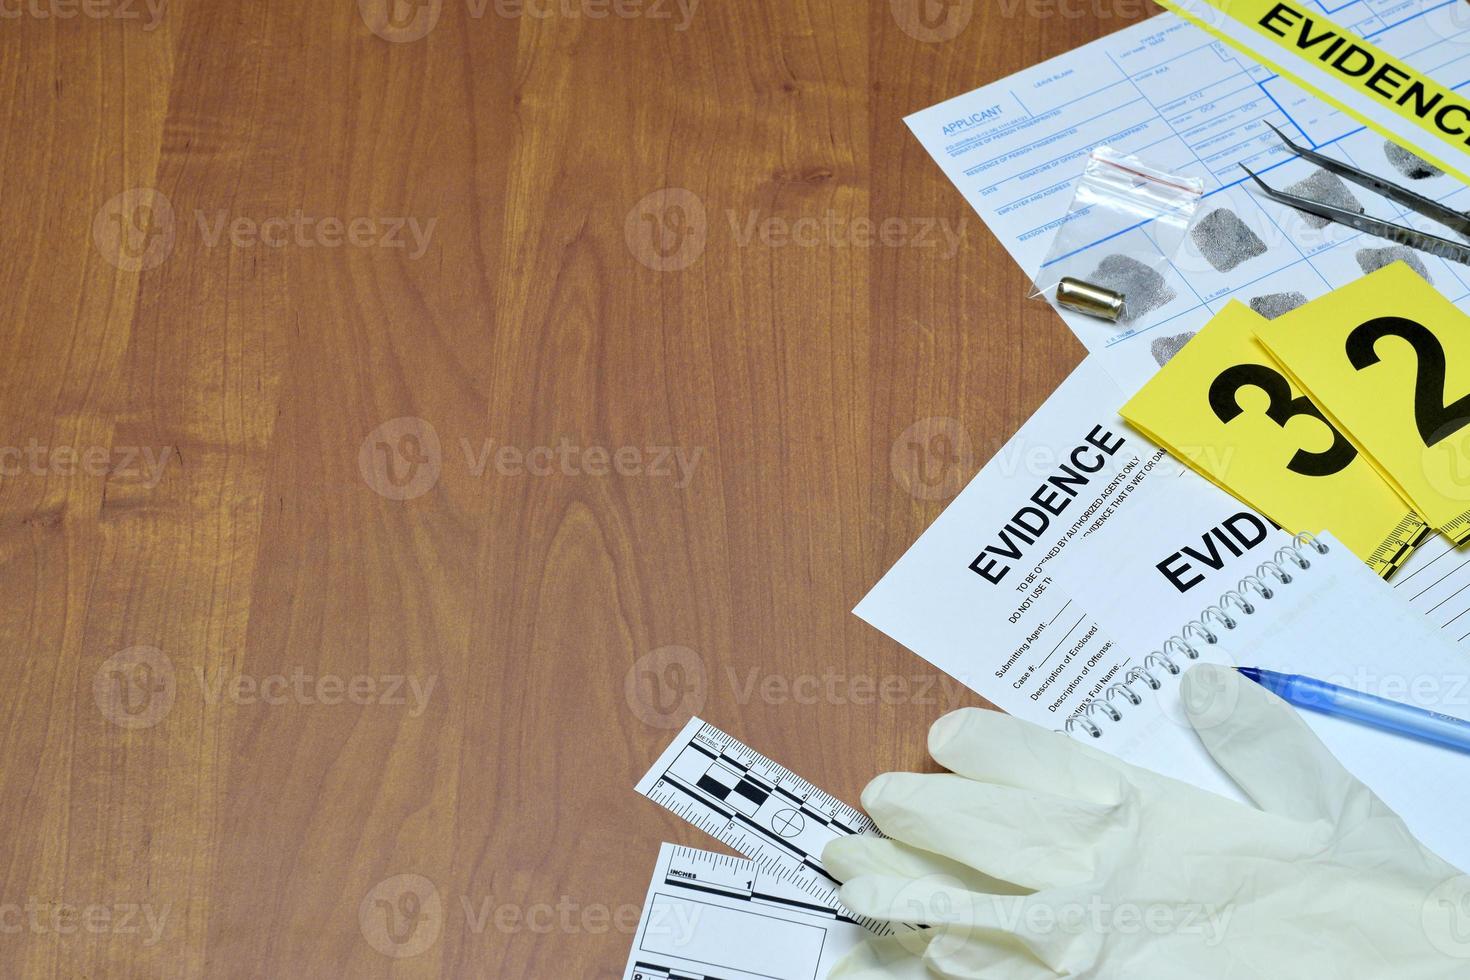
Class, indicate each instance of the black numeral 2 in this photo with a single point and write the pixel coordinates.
(1436, 420)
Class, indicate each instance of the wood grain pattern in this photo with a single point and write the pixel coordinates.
(403, 434)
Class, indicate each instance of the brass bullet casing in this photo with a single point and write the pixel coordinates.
(1085, 297)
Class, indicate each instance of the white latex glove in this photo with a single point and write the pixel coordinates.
(1122, 873)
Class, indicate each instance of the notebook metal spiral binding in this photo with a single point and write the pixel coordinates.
(1261, 585)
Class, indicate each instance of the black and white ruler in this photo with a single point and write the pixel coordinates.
(717, 917)
(760, 809)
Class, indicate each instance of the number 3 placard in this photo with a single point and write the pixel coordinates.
(1388, 358)
(1223, 405)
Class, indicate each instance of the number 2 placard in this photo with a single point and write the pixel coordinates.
(1388, 358)
(1223, 405)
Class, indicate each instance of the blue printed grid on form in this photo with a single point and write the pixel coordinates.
(1169, 93)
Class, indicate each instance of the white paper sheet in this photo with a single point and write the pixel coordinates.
(714, 916)
(1002, 627)
(1436, 581)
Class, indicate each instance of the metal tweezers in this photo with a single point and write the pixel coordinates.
(1457, 221)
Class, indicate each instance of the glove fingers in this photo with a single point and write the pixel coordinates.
(1031, 839)
(848, 857)
(1265, 746)
(892, 958)
(997, 748)
(974, 934)
(984, 955)
(933, 900)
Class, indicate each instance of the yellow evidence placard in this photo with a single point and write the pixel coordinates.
(1225, 407)
(1388, 358)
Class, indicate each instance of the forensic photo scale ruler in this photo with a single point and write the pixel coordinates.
(760, 809)
(717, 917)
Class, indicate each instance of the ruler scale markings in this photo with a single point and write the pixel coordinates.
(701, 793)
(734, 819)
(759, 808)
(718, 917)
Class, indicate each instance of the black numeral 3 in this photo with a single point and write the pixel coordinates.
(1283, 409)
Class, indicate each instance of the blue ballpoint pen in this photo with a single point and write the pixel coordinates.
(1406, 719)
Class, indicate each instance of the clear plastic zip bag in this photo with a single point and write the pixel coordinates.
(1126, 220)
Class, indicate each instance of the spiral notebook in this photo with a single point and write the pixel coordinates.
(1311, 608)
(1080, 549)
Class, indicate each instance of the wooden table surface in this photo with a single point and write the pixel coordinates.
(413, 414)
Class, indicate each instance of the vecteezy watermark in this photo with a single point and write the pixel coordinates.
(838, 687)
(300, 687)
(1448, 21)
(932, 21)
(301, 230)
(152, 10)
(668, 230)
(134, 230)
(1448, 693)
(401, 916)
(1096, 916)
(135, 688)
(404, 915)
(1445, 917)
(138, 229)
(565, 916)
(680, 11)
(47, 917)
(403, 459)
(400, 21)
(666, 687)
(834, 230)
(1075, 9)
(36, 459)
(933, 458)
(676, 463)
(403, 21)
(1446, 463)
(942, 900)
(138, 687)
(1208, 700)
